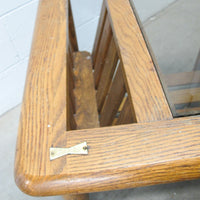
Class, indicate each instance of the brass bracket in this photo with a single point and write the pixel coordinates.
(77, 149)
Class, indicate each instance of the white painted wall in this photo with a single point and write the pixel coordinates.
(16, 26)
(17, 19)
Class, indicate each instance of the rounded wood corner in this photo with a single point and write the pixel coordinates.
(50, 185)
(30, 185)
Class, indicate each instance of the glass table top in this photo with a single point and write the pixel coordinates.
(172, 29)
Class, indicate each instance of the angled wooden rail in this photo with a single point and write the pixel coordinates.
(120, 110)
(119, 157)
(127, 45)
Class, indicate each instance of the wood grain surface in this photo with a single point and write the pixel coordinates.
(99, 31)
(107, 74)
(71, 28)
(85, 93)
(185, 96)
(126, 116)
(44, 109)
(143, 86)
(102, 51)
(115, 96)
(86, 105)
(76, 197)
(119, 157)
(70, 80)
(188, 111)
(182, 78)
(123, 156)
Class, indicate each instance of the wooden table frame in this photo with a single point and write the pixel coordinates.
(155, 149)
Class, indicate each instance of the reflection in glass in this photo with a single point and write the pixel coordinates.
(174, 35)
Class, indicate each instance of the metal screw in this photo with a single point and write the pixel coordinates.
(85, 148)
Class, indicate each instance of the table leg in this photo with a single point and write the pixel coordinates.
(76, 197)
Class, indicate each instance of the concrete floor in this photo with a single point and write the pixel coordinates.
(174, 36)
(155, 27)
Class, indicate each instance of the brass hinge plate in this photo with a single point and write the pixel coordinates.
(81, 149)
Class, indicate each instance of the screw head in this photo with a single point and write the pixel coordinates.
(85, 148)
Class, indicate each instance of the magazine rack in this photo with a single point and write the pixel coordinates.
(111, 100)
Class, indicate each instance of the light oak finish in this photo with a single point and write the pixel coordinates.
(150, 50)
(182, 78)
(119, 157)
(44, 113)
(71, 28)
(85, 94)
(72, 123)
(102, 51)
(100, 27)
(155, 149)
(183, 88)
(126, 117)
(140, 76)
(71, 82)
(107, 74)
(76, 197)
(188, 111)
(115, 96)
(185, 96)
(86, 105)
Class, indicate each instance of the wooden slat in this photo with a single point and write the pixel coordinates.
(99, 33)
(85, 94)
(72, 32)
(188, 111)
(86, 115)
(70, 65)
(143, 86)
(153, 57)
(71, 84)
(71, 53)
(125, 117)
(119, 110)
(102, 50)
(185, 96)
(71, 119)
(122, 103)
(114, 99)
(107, 74)
(182, 78)
(72, 98)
